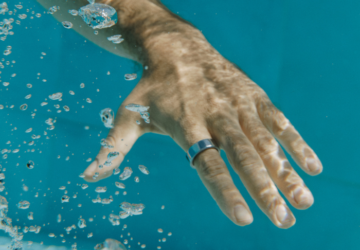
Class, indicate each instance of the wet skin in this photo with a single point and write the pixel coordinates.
(194, 93)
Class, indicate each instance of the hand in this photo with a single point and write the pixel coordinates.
(193, 94)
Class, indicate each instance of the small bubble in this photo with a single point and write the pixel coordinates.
(24, 107)
(88, 100)
(65, 198)
(67, 24)
(160, 230)
(107, 117)
(73, 12)
(144, 169)
(23, 204)
(130, 77)
(22, 16)
(31, 216)
(7, 52)
(100, 189)
(82, 85)
(116, 39)
(28, 96)
(56, 96)
(119, 185)
(29, 85)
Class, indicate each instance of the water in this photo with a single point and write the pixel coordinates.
(303, 55)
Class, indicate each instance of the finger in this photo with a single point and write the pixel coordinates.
(121, 137)
(275, 161)
(214, 174)
(275, 121)
(249, 166)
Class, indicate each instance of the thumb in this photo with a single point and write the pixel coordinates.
(117, 144)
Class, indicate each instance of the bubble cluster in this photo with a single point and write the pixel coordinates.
(107, 117)
(98, 16)
(115, 39)
(131, 209)
(126, 173)
(142, 110)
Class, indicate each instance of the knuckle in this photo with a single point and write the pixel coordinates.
(267, 145)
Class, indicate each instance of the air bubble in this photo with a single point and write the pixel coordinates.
(126, 173)
(31, 216)
(23, 204)
(73, 12)
(100, 189)
(65, 198)
(119, 185)
(130, 77)
(98, 16)
(24, 107)
(30, 165)
(107, 117)
(55, 96)
(115, 39)
(144, 169)
(67, 24)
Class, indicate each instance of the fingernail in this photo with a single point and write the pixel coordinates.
(312, 164)
(283, 216)
(242, 215)
(302, 196)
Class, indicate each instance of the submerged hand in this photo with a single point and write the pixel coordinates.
(194, 94)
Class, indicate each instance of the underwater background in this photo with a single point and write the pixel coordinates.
(304, 54)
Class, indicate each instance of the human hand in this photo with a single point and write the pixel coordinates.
(211, 98)
(194, 94)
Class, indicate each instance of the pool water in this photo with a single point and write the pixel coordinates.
(305, 55)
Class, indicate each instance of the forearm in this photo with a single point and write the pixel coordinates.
(151, 32)
(83, 29)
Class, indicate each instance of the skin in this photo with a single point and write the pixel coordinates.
(194, 93)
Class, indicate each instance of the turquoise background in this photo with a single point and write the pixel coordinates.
(304, 54)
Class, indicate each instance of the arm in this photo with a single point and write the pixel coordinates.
(193, 93)
(80, 27)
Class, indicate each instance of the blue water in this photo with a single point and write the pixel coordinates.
(304, 54)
